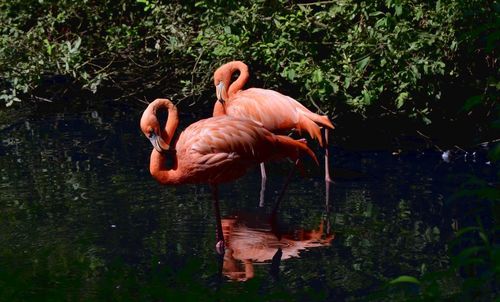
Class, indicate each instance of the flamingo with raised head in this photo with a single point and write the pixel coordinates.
(278, 113)
(214, 150)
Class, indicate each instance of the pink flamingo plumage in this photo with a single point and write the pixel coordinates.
(249, 245)
(214, 150)
(276, 112)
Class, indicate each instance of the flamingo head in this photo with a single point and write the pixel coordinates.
(222, 76)
(151, 129)
(218, 91)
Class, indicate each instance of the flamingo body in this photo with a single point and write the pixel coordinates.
(221, 149)
(276, 112)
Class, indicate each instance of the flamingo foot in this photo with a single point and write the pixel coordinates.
(220, 247)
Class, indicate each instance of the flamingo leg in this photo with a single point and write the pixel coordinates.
(328, 180)
(219, 246)
(279, 198)
(327, 161)
(275, 263)
(262, 184)
(327, 208)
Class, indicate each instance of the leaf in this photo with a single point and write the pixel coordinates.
(415, 72)
(277, 23)
(484, 238)
(426, 120)
(367, 97)
(347, 82)
(466, 230)
(77, 44)
(381, 22)
(48, 46)
(73, 47)
(363, 63)
(399, 10)
(288, 73)
(402, 97)
(467, 253)
(405, 279)
(317, 76)
(335, 87)
(472, 102)
(453, 45)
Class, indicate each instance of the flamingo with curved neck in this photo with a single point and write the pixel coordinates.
(276, 112)
(160, 138)
(222, 77)
(214, 150)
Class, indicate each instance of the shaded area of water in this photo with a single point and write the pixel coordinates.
(82, 219)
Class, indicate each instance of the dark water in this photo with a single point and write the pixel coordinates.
(82, 219)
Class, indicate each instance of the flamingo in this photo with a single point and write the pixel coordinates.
(257, 244)
(278, 113)
(214, 150)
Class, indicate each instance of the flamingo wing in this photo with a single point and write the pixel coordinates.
(220, 138)
(277, 112)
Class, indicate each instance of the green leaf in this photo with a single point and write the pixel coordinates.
(363, 63)
(402, 97)
(48, 46)
(484, 238)
(277, 23)
(289, 73)
(317, 76)
(472, 102)
(399, 10)
(468, 253)
(367, 97)
(466, 230)
(347, 82)
(75, 45)
(405, 279)
(381, 22)
(414, 70)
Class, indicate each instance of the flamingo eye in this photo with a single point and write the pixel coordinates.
(151, 133)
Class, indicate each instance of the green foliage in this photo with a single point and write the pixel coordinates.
(93, 44)
(475, 268)
(391, 56)
(358, 52)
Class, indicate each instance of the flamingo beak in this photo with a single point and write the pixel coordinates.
(158, 143)
(218, 92)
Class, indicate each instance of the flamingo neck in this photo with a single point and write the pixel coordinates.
(161, 173)
(219, 109)
(242, 78)
(172, 121)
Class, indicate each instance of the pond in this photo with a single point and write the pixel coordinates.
(82, 219)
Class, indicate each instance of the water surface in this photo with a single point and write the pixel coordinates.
(82, 219)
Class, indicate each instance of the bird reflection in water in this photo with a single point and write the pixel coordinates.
(260, 243)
